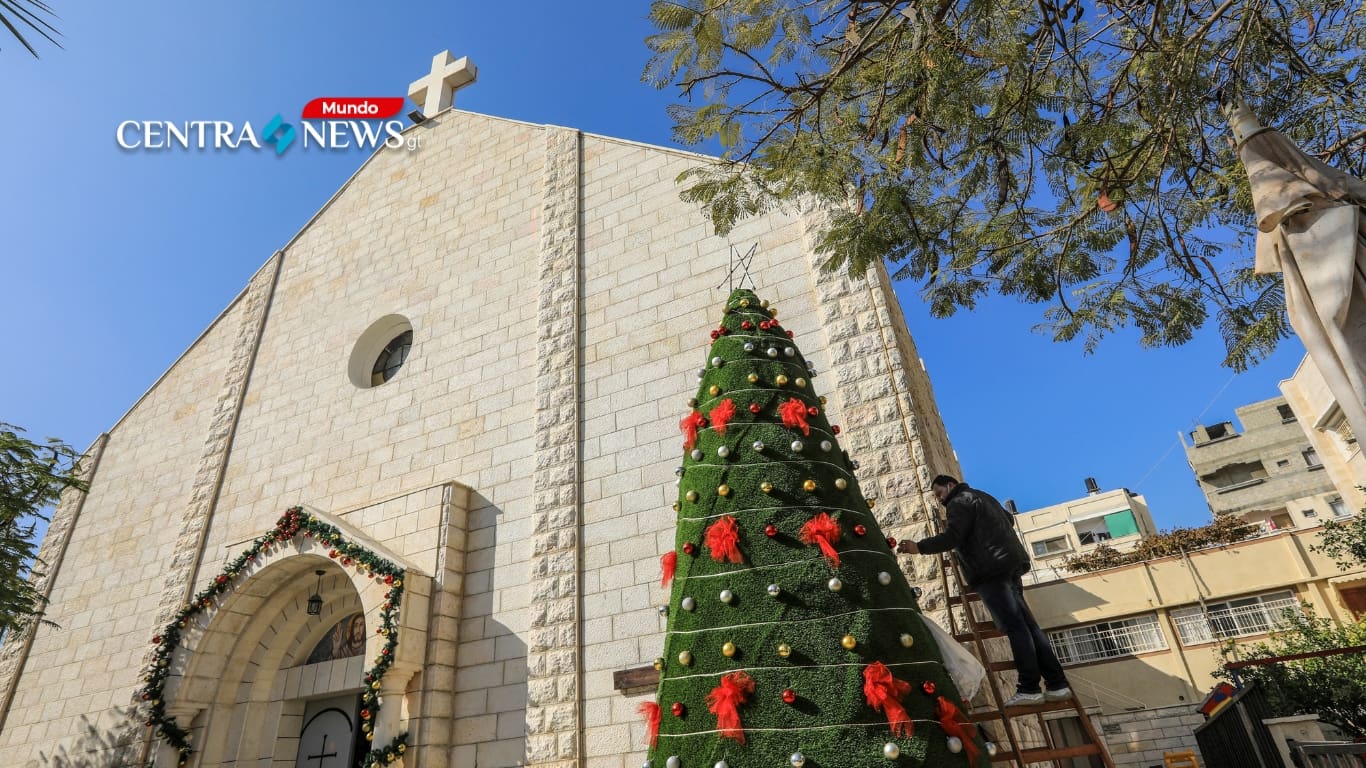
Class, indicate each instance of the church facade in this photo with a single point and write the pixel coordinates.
(469, 368)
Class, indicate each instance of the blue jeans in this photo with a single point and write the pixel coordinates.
(1034, 656)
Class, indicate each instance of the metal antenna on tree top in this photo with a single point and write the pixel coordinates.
(741, 263)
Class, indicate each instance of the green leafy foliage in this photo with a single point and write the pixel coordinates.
(784, 483)
(1334, 687)
(1344, 542)
(1069, 155)
(32, 477)
(25, 17)
(1226, 529)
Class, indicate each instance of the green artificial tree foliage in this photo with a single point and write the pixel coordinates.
(804, 631)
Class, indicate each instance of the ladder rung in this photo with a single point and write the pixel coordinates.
(1000, 666)
(958, 599)
(1047, 706)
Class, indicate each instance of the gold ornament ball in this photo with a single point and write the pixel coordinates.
(744, 302)
(906, 640)
(692, 402)
(723, 490)
(849, 642)
(872, 503)
(841, 483)
(764, 303)
(772, 311)
(676, 506)
(685, 658)
(781, 380)
(801, 383)
(809, 486)
(822, 399)
(753, 378)
(784, 650)
(728, 650)
(375, 685)
(659, 663)
(691, 496)
(766, 487)
(714, 390)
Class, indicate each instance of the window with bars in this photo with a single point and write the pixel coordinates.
(1245, 616)
(1053, 546)
(1108, 639)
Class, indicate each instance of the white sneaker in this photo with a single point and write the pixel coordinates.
(1062, 694)
(1024, 700)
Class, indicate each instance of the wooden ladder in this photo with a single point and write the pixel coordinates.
(978, 633)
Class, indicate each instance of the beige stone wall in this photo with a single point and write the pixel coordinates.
(447, 237)
(104, 598)
(1327, 430)
(1140, 739)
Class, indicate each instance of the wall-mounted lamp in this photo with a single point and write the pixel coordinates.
(417, 117)
(315, 600)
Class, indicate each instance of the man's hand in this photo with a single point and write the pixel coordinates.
(907, 547)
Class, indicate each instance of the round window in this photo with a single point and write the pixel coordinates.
(381, 351)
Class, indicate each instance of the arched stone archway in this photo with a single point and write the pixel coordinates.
(240, 676)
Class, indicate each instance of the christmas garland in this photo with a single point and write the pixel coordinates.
(294, 522)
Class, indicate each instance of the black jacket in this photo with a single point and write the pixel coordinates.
(983, 534)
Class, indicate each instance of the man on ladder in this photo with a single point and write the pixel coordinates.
(991, 559)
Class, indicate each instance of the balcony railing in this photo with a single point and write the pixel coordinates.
(1232, 621)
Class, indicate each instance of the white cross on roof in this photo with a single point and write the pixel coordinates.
(436, 91)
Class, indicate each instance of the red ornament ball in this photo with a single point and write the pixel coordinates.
(365, 714)
(689, 548)
(927, 687)
(678, 709)
(770, 530)
(860, 529)
(156, 639)
(222, 579)
(747, 325)
(715, 335)
(789, 334)
(333, 553)
(835, 429)
(813, 411)
(789, 696)
(754, 408)
(389, 579)
(346, 561)
(891, 542)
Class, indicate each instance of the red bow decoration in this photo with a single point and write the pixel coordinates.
(652, 713)
(793, 413)
(954, 723)
(721, 415)
(724, 700)
(723, 539)
(824, 532)
(690, 424)
(667, 565)
(884, 694)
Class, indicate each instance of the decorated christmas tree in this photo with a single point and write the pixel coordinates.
(793, 637)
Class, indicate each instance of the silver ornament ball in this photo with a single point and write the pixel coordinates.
(827, 446)
(955, 744)
(889, 750)
(749, 346)
(991, 748)
(723, 451)
(772, 351)
(797, 446)
(835, 584)
(727, 596)
(720, 764)
(717, 362)
(663, 610)
(798, 760)
(759, 446)
(697, 454)
(673, 762)
(789, 351)
(884, 578)
(774, 590)
(688, 604)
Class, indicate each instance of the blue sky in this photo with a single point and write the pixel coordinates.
(113, 261)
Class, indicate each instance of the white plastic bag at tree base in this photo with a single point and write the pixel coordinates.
(967, 672)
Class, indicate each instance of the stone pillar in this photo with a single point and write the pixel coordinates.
(431, 735)
(893, 427)
(52, 551)
(181, 573)
(553, 651)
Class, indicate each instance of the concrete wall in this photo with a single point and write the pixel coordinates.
(1140, 739)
